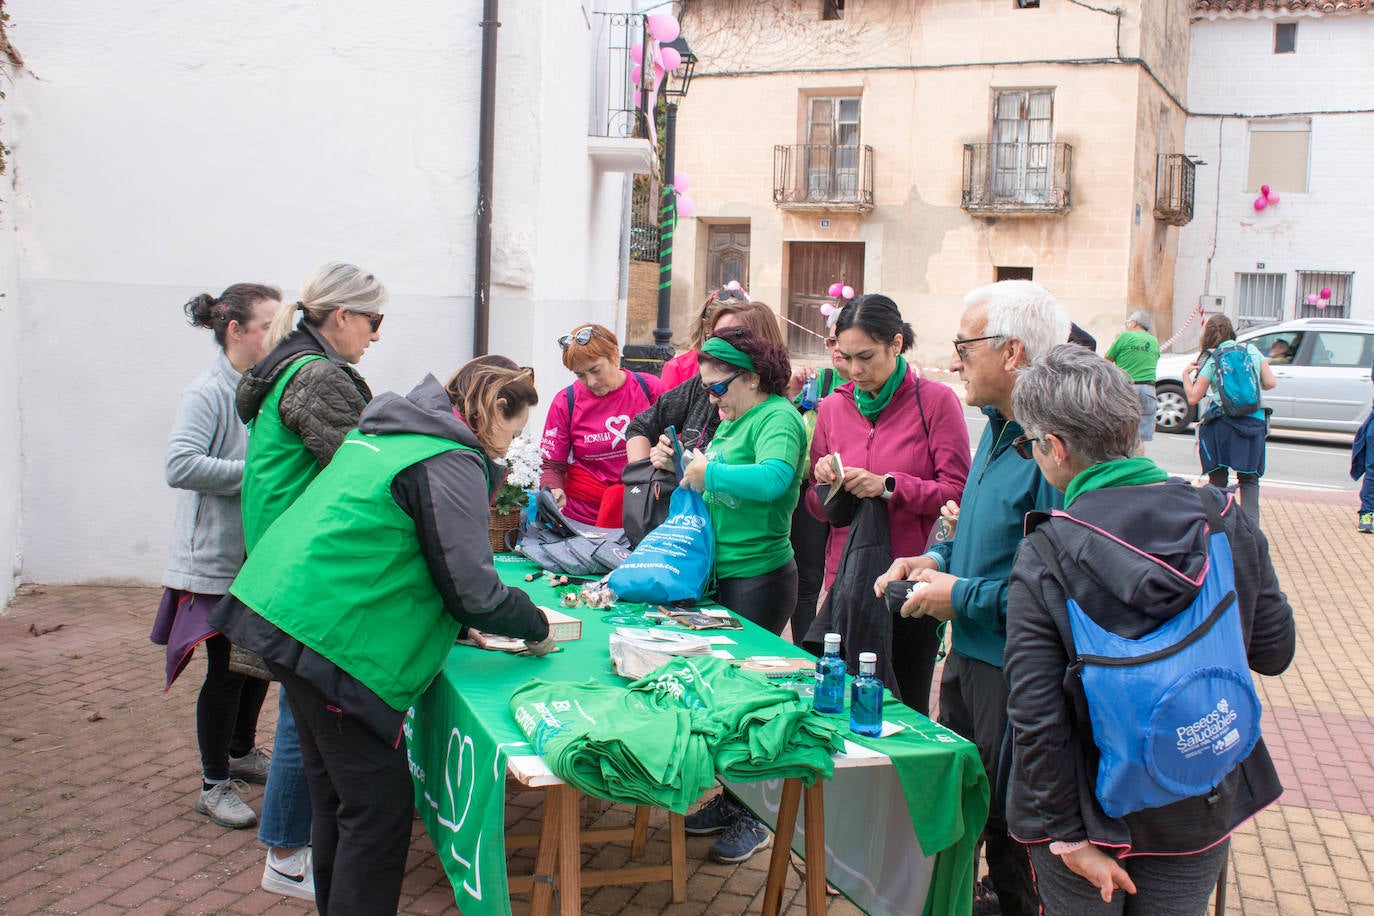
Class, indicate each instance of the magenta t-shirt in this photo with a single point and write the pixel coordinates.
(594, 436)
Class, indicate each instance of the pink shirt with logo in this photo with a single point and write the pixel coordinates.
(594, 436)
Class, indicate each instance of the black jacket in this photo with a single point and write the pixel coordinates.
(687, 407)
(320, 403)
(1054, 761)
(447, 496)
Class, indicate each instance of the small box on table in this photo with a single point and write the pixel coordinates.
(562, 627)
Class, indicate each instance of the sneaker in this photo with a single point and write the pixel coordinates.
(1367, 522)
(224, 806)
(985, 901)
(252, 766)
(742, 839)
(293, 876)
(714, 817)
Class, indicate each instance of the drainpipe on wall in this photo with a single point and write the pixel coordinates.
(486, 143)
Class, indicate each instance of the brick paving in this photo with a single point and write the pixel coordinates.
(99, 769)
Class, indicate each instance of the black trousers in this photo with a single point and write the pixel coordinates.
(915, 640)
(363, 803)
(973, 703)
(767, 599)
(226, 710)
(809, 535)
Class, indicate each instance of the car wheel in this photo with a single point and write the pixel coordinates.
(1173, 413)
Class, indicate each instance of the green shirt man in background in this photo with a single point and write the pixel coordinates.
(1136, 351)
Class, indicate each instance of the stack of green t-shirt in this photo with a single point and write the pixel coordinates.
(613, 743)
(661, 741)
(763, 730)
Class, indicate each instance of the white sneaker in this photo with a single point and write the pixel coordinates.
(224, 806)
(292, 876)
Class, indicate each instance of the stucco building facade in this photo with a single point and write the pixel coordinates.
(921, 149)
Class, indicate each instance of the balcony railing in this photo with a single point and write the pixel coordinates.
(1174, 189)
(812, 177)
(1017, 179)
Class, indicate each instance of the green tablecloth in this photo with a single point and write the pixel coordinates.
(461, 731)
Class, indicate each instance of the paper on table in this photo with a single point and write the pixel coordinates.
(720, 640)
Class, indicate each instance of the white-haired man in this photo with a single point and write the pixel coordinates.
(1136, 351)
(1004, 326)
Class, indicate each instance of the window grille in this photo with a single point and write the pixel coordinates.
(1312, 282)
(1259, 298)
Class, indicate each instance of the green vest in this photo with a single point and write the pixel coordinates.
(278, 466)
(342, 571)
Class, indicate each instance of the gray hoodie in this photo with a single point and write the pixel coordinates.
(205, 462)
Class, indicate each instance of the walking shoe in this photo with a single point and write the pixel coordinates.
(251, 767)
(224, 806)
(714, 817)
(742, 839)
(985, 901)
(1367, 522)
(293, 876)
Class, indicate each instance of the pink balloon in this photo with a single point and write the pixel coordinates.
(1261, 203)
(637, 52)
(847, 292)
(835, 290)
(1264, 190)
(635, 74)
(682, 182)
(664, 27)
(671, 58)
(1324, 294)
(685, 206)
(1322, 303)
(1312, 298)
(1273, 197)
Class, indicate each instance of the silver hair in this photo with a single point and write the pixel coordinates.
(333, 286)
(1140, 317)
(1081, 398)
(1023, 310)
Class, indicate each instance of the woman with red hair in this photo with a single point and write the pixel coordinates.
(584, 433)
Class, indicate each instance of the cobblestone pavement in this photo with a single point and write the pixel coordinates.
(99, 769)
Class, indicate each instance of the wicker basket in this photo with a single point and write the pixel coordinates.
(498, 526)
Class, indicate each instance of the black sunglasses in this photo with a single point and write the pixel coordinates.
(961, 344)
(581, 338)
(373, 318)
(1024, 445)
(719, 388)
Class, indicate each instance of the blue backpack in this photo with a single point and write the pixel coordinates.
(1174, 711)
(1237, 380)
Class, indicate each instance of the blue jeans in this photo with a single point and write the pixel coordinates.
(286, 812)
(1367, 487)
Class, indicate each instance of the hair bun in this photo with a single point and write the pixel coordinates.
(200, 311)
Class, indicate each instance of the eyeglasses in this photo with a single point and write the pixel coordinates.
(1022, 445)
(718, 389)
(373, 318)
(961, 344)
(581, 338)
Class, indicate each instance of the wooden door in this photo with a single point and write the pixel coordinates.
(813, 267)
(727, 255)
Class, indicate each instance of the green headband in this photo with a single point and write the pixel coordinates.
(721, 349)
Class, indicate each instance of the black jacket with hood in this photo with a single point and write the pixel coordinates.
(1054, 761)
(448, 497)
(320, 403)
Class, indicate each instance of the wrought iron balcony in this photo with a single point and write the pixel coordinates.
(813, 177)
(1174, 189)
(1017, 179)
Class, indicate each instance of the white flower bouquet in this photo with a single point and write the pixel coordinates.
(523, 464)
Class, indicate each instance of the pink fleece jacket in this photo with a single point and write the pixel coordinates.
(927, 473)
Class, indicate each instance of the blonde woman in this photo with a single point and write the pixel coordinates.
(299, 402)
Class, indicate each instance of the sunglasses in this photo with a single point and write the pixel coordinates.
(373, 318)
(1024, 445)
(718, 389)
(581, 338)
(961, 344)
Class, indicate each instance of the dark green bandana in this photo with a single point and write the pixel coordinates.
(1123, 472)
(721, 349)
(870, 405)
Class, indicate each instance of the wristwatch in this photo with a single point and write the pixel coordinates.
(889, 486)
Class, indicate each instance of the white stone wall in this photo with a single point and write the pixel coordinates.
(10, 508)
(167, 149)
(1234, 71)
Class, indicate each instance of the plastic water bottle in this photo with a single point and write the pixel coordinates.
(866, 699)
(809, 392)
(830, 673)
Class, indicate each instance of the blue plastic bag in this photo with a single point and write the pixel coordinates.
(673, 561)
